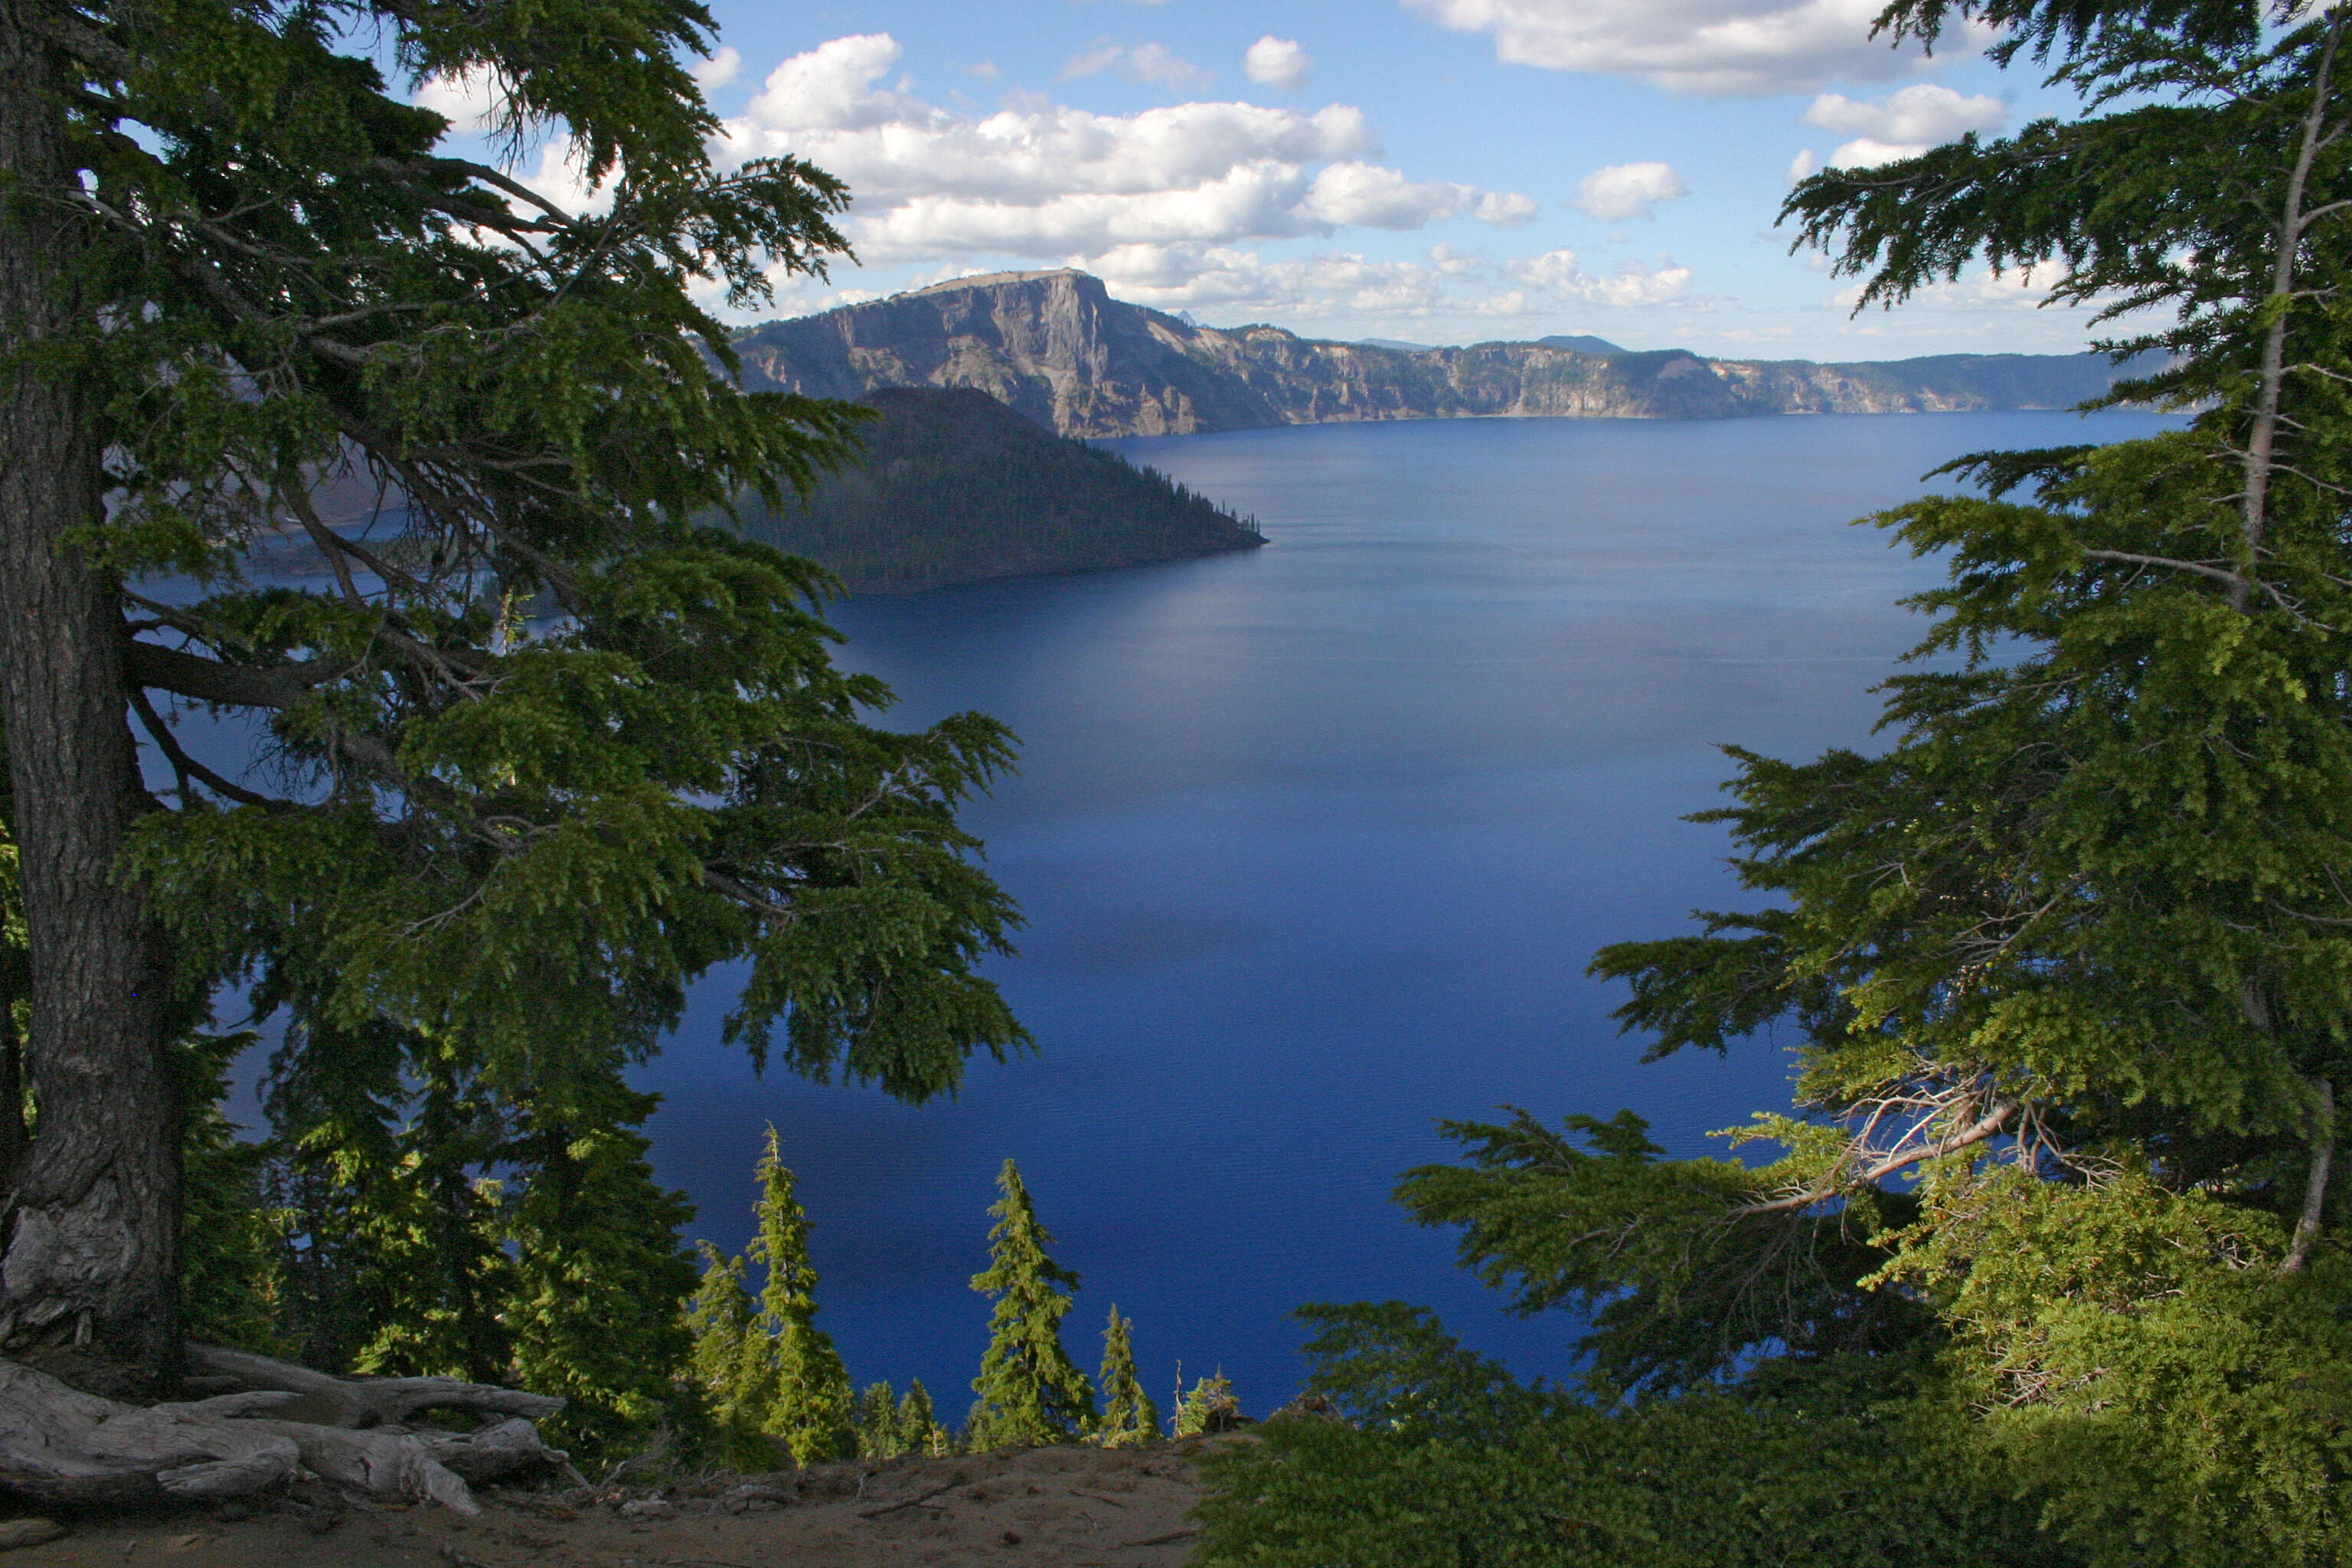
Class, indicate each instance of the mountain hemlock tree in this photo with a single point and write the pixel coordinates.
(810, 1404)
(2072, 960)
(1129, 1416)
(920, 1431)
(433, 1241)
(877, 1417)
(246, 293)
(1030, 1393)
(717, 1324)
(767, 1371)
(598, 1271)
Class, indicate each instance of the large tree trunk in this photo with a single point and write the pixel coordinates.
(91, 1224)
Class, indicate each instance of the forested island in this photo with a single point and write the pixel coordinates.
(954, 487)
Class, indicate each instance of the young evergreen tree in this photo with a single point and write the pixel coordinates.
(718, 1325)
(598, 1272)
(879, 1435)
(246, 291)
(233, 1284)
(1030, 1391)
(334, 1176)
(1209, 1405)
(918, 1424)
(2069, 959)
(1129, 1416)
(809, 1404)
(435, 1235)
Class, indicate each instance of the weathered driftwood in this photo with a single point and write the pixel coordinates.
(328, 1401)
(63, 1448)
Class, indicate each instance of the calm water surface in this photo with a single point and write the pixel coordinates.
(1314, 844)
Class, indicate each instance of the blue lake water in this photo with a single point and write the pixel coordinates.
(1315, 843)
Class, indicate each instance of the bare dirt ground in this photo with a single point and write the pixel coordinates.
(1043, 1508)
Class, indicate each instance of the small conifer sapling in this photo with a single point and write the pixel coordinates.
(1030, 1391)
(918, 1424)
(1129, 1418)
(809, 1405)
(878, 1437)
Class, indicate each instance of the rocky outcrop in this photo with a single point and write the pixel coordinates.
(1059, 348)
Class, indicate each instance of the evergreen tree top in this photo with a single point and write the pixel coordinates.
(781, 1243)
(1017, 1259)
(1028, 1390)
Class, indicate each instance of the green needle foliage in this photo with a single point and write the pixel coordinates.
(536, 752)
(2070, 962)
(598, 1272)
(810, 1406)
(434, 1238)
(920, 1431)
(1436, 1459)
(1030, 1391)
(1209, 1405)
(877, 1417)
(888, 1426)
(1129, 1416)
(767, 1371)
(718, 1325)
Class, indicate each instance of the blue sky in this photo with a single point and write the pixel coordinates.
(1437, 170)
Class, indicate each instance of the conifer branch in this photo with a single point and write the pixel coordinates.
(1990, 1126)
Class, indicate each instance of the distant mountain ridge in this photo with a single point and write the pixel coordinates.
(1056, 347)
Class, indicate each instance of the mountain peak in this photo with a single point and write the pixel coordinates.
(999, 279)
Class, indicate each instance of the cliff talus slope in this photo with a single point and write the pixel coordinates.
(1056, 347)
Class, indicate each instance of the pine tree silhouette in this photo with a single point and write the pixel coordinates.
(1030, 1391)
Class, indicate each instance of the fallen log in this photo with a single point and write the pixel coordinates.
(60, 1448)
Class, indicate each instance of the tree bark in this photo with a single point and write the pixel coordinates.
(2315, 1189)
(90, 1223)
(2261, 457)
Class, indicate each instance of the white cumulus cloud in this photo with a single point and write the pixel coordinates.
(1562, 275)
(1903, 124)
(1045, 180)
(1716, 47)
(1155, 63)
(1235, 282)
(1627, 190)
(1277, 62)
(719, 69)
(1506, 210)
(470, 102)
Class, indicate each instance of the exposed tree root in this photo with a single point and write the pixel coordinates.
(269, 1422)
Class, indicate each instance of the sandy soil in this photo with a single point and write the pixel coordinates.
(1044, 1508)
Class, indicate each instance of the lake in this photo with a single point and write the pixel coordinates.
(1315, 843)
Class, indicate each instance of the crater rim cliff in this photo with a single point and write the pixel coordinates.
(1053, 344)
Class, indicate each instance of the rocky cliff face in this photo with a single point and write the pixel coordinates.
(1056, 347)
